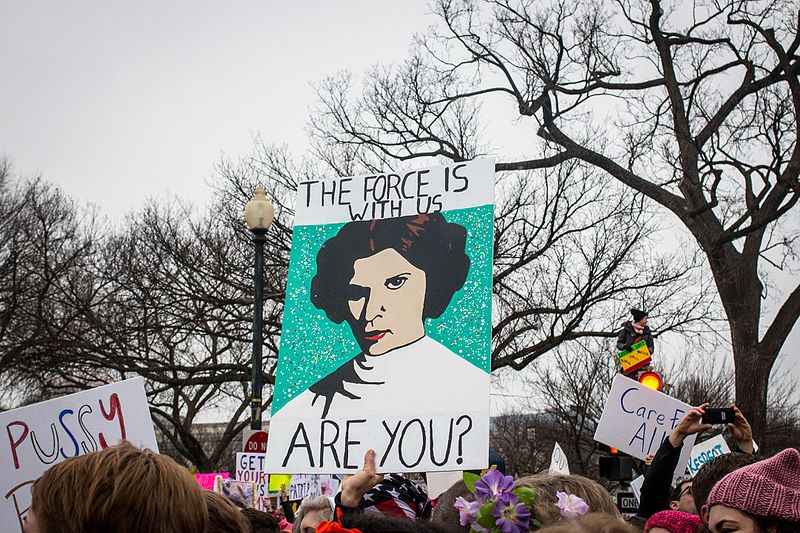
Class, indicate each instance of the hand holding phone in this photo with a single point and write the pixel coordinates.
(719, 415)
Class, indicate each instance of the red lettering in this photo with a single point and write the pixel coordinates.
(15, 443)
(116, 408)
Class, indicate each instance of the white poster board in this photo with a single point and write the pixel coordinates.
(705, 452)
(38, 436)
(250, 468)
(558, 461)
(386, 338)
(312, 485)
(636, 420)
(438, 482)
(636, 487)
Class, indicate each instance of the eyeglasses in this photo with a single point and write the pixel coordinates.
(687, 490)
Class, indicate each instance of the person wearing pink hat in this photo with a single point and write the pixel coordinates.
(673, 522)
(760, 498)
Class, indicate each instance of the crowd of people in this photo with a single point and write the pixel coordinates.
(124, 489)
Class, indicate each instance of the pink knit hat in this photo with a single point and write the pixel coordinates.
(674, 522)
(768, 488)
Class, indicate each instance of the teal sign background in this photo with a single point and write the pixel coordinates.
(312, 346)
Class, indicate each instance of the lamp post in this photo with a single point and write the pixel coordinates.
(258, 214)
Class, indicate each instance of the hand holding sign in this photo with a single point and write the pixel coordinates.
(355, 486)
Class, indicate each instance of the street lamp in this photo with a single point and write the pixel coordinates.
(258, 214)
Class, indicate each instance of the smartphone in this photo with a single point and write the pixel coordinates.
(719, 415)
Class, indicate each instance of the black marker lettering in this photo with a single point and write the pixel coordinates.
(422, 447)
(348, 442)
(305, 444)
(323, 444)
(308, 190)
(392, 436)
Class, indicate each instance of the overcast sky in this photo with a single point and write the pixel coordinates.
(118, 101)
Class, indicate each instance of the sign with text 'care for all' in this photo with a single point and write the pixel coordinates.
(36, 437)
(636, 420)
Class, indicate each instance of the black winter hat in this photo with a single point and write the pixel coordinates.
(638, 314)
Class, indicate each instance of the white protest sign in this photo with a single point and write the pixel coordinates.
(705, 452)
(636, 487)
(558, 461)
(312, 485)
(38, 436)
(386, 339)
(395, 194)
(250, 468)
(636, 420)
(438, 482)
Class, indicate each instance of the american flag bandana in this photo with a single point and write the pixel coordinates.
(399, 497)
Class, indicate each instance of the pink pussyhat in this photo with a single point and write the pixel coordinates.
(674, 522)
(768, 488)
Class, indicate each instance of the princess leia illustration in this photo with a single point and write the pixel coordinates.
(385, 278)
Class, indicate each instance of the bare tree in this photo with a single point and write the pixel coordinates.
(704, 98)
(567, 394)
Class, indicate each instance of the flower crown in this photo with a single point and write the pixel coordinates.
(499, 507)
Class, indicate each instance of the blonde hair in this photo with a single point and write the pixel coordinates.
(546, 487)
(591, 523)
(121, 489)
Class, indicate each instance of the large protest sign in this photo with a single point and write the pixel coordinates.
(705, 452)
(38, 436)
(387, 324)
(636, 420)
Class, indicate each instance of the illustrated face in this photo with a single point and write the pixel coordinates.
(723, 519)
(386, 299)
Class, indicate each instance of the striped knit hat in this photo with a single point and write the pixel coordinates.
(768, 488)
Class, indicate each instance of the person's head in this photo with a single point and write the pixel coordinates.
(384, 277)
(639, 316)
(590, 523)
(545, 508)
(381, 523)
(224, 516)
(763, 497)
(260, 522)
(121, 489)
(712, 472)
(311, 513)
(683, 497)
(673, 522)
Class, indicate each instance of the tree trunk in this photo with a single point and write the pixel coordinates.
(752, 380)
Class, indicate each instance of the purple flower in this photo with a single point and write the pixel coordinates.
(512, 515)
(492, 484)
(467, 511)
(571, 506)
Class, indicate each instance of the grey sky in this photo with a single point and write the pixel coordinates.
(119, 101)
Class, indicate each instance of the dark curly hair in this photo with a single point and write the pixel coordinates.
(427, 241)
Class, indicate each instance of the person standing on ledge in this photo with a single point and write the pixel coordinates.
(635, 331)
